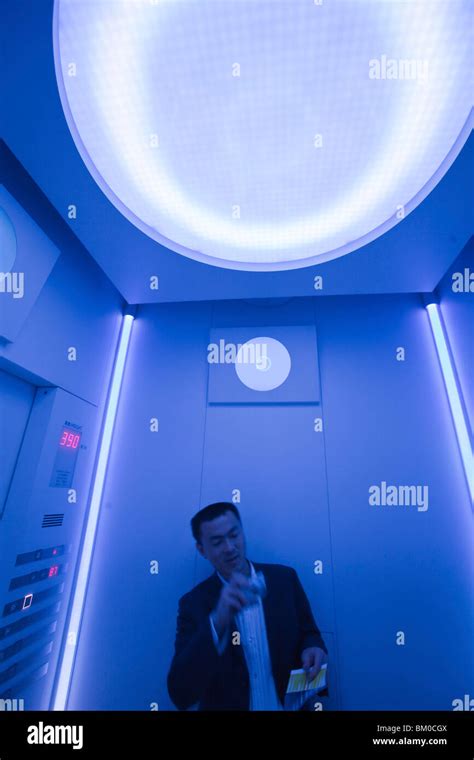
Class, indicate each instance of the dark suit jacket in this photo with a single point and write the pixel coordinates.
(221, 682)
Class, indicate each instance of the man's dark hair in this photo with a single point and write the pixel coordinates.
(210, 513)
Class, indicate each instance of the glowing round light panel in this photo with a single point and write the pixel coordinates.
(264, 134)
(263, 363)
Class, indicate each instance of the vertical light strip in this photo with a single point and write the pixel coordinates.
(69, 651)
(453, 392)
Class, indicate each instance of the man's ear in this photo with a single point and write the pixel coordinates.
(200, 549)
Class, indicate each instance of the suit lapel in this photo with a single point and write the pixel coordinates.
(213, 589)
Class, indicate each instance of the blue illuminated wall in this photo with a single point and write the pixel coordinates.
(57, 345)
(456, 292)
(397, 569)
(393, 598)
(77, 305)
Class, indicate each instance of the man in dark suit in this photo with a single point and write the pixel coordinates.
(235, 648)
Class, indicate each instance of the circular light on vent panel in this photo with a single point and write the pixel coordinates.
(265, 134)
(262, 364)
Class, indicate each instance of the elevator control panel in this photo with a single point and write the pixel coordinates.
(41, 527)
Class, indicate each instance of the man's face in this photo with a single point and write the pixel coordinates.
(223, 544)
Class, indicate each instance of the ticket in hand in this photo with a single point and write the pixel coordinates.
(298, 681)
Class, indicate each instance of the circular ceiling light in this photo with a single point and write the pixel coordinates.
(265, 134)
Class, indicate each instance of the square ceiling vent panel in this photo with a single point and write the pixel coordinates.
(263, 365)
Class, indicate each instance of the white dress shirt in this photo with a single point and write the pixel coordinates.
(253, 637)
